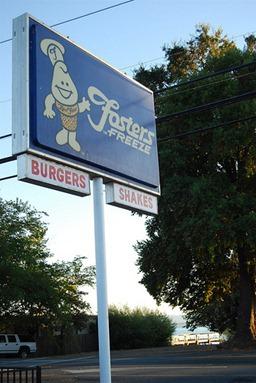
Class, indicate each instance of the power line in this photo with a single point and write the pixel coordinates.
(160, 140)
(5, 101)
(225, 70)
(211, 105)
(5, 136)
(178, 53)
(243, 35)
(6, 41)
(82, 16)
(163, 98)
(7, 159)
(200, 108)
(210, 75)
(92, 13)
(181, 92)
(142, 63)
(207, 85)
(181, 135)
(8, 177)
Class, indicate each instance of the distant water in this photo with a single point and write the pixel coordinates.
(182, 329)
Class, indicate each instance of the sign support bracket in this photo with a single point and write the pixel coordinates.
(101, 273)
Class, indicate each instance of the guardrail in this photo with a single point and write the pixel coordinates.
(187, 339)
(20, 374)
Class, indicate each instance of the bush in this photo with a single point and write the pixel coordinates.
(137, 328)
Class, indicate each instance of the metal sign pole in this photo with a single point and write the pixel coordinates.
(102, 303)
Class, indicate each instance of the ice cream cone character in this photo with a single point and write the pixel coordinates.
(63, 96)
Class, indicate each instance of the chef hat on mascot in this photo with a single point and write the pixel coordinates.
(53, 49)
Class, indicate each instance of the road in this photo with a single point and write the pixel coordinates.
(164, 365)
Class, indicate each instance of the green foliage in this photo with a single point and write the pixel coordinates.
(137, 328)
(200, 251)
(155, 78)
(33, 292)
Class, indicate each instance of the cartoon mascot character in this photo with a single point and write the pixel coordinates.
(63, 95)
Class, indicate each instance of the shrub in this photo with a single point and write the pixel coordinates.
(137, 328)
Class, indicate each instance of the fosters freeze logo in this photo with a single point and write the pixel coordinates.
(123, 128)
(64, 99)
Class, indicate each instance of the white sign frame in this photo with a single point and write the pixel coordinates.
(53, 175)
(21, 107)
(131, 199)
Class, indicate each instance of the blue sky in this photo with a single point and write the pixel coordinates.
(124, 37)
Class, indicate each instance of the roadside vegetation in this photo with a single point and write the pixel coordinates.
(37, 294)
(200, 253)
(138, 328)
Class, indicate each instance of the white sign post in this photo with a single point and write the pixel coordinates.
(102, 301)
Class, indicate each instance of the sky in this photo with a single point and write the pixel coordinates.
(125, 37)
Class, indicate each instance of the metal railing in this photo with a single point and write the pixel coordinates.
(20, 374)
(196, 339)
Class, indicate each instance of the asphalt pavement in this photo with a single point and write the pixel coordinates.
(160, 365)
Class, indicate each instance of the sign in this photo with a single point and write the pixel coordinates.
(132, 199)
(52, 175)
(71, 106)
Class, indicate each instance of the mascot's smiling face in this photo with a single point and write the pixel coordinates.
(63, 87)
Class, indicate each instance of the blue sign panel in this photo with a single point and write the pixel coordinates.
(84, 111)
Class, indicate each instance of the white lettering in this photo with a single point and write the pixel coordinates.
(123, 128)
(135, 144)
(147, 149)
(112, 132)
(126, 123)
(120, 136)
(149, 140)
(94, 92)
(128, 140)
(134, 130)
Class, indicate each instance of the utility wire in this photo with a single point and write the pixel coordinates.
(142, 63)
(163, 98)
(92, 13)
(181, 135)
(211, 105)
(7, 159)
(225, 70)
(82, 16)
(228, 123)
(165, 139)
(6, 41)
(133, 65)
(200, 108)
(243, 35)
(5, 101)
(232, 38)
(8, 177)
(207, 85)
(5, 136)
(210, 75)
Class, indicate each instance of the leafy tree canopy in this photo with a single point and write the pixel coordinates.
(200, 251)
(35, 293)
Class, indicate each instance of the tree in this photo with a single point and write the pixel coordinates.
(200, 251)
(34, 292)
